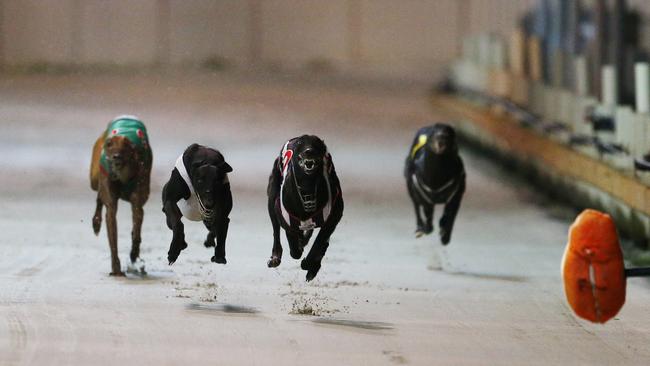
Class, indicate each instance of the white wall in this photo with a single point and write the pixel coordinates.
(202, 28)
(295, 32)
(408, 37)
(382, 38)
(34, 30)
(118, 31)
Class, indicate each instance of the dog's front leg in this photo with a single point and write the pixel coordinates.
(428, 218)
(451, 210)
(221, 232)
(419, 222)
(138, 216)
(312, 261)
(97, 218)
(174, 222)
(211, 225)
(273, 193)
(295, 245)
(111, 229)
(276, 252)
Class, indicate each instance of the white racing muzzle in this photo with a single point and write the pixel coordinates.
(307, 165)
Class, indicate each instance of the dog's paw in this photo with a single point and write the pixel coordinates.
(172, 257)
(423, 230)
(208, 243)
(311, 274)
(97, 224)
(312, 269)
(175, 251)
(274, 261)
(297, 253)
(220, 260)
(445, 236)
(136, 267)
(117, 274)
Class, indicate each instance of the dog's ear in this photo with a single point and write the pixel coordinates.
(189, 152)
(225, 167)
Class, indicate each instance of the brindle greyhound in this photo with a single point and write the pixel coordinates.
(304, 193)
(121, 168)
(199, 190)
(435, 174)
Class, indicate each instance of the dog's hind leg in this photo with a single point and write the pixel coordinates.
(209, 240)
(306, 235)
(97, 218)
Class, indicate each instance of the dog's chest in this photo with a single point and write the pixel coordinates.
(303, 212)
(436, 180)
(305, 204)
(191, 208)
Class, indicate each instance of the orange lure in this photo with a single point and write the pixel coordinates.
(592, 268)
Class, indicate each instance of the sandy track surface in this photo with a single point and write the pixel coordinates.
(382, 297)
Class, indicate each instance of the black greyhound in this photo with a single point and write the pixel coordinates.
(199, 190)
(435, 174)
(304, 193)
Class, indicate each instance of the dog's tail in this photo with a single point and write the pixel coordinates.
(94, 163)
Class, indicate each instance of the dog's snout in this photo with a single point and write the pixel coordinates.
(209, 203)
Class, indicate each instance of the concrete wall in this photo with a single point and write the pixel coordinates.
(384, 38)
